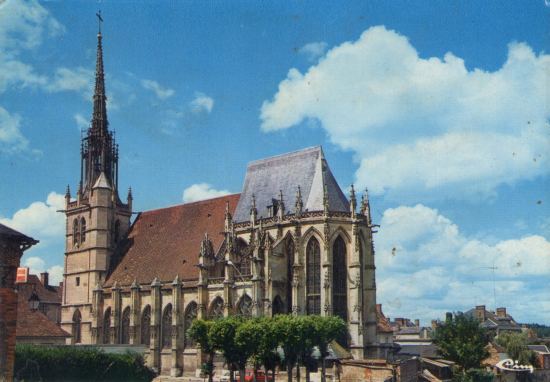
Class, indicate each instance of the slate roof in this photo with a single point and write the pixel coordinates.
(9, 233)
(538, 348)
(424, 350)
(306, 168)
(166, 242)
(492, 321)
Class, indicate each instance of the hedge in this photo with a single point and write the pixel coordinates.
(71, 363)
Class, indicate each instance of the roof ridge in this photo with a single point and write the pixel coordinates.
(190, 203)
(288, 154)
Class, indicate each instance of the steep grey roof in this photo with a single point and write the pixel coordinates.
(306, 168)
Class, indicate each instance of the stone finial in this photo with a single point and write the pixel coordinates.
(228, 225)
(352, 201)
(281, 209)
(135, 284)
(253, 211)
(155, 283)
(298, 204)
(176, 281)
(325, 200)
(130, 197)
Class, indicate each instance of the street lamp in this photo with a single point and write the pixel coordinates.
(34, 301)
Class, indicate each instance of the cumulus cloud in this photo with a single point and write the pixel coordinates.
(427, 126)
(426, 266)
(11, 138)
(37, 265)
(202, 103)
(81, 122)
(40, 219)
(78, 80)
(160, 91)
(313, 50)
(201, 191)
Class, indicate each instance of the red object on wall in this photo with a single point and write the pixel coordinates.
(22, 275)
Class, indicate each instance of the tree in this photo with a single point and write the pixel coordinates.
(516, 347)
(287, 329)
(257, 335)
(199, 332)
(327, 329)
(222, 336)
(463, 341)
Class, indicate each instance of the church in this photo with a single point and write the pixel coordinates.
(290, 243)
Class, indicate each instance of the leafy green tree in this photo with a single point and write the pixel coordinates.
(287, 329)
(222, 335)
(258, 336)
(516, 347)
(307, 342)
(327, 329)
(199, 332)
(463, 341)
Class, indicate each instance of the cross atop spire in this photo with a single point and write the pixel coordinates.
(99, 21)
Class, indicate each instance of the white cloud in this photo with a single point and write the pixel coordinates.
(201, 191)
(11, 138)
(78, 79)
(426, 266)
(37, 265)
(81, 122)
(202, 103)
(313, 50)
(423, 126)
(161, 92)
(40, 219)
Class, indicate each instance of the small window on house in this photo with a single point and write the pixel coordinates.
(78, 281)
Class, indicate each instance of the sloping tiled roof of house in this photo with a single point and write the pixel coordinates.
(165, 243)
(9, 233)
(51, 294)
(33, 323)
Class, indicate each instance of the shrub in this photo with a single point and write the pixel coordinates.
(70, 363)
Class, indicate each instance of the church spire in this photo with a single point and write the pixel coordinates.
(99, 150)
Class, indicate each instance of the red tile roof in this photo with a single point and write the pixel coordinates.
(166, 242)
(50, 293)
(33, 323)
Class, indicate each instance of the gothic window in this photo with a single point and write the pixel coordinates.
(107, 326)
(244, 307)
(117, 231)
(289, 252)
(82, 230)
(166, 329)
(278, 307)
(190, 316)
(146, 326)
(76, 233)
(216, 309)
(313, 277)
(339, 276)
(77, 329)
(244, 268)
(125, 326)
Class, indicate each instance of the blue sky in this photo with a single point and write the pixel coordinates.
(441, 109)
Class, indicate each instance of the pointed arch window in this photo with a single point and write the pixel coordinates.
(339, 284)
(244, 307)
(166, 329)
(216, 309)
(76, 233)
(107, 326)
(117, 231)
(278, 307)
(146, 326)
(289, 252)
(77, 328)
(189, 317)
(313, 277)
(82, 230)
(125, 326)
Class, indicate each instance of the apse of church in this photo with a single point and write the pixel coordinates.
(290, 242)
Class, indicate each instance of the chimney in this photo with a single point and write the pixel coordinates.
(501, 312)
(480, 312)
(417, 323)
(44, 278)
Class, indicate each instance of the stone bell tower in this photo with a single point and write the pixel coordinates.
(96, 219)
